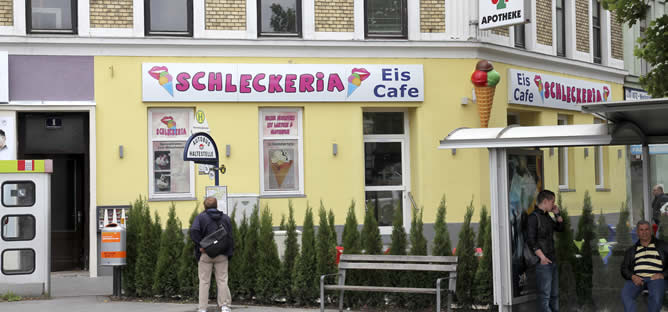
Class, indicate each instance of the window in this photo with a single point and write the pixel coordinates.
(513, 118)
(51, 16)
(18, 194)
(281, 147)
(18, 227)
(386, 165)
(520, 41)
(18, 261)
(168, 17)
(561, 28)
(596, 29)
(279, 18)
(386, 19)
(170, 177)
(599, 177)
(563, 157)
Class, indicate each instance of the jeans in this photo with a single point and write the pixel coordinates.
(547, 285)
(655, 288)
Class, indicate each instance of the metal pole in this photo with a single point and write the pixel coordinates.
(217, 170)
(645, 183)
(117, 281)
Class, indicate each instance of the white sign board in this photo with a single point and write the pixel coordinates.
(497, 13)
(4, 77)
(190, 82)
(201, 148)
(220, 193)
(537, 89)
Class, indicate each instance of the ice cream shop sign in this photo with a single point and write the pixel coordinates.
(190, 82)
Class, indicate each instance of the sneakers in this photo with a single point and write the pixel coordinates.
(225, 309)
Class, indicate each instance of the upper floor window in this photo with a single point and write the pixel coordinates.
(561, 28)
(386, 19)
(520, 41)
(51, 16)
(596, 29)
(279, 18)
(168, 17)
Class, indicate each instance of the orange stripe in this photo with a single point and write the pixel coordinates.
(113, 254)
(111, 237)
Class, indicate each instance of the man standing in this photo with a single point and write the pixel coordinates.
(644, 267)
(659, 200)
(540, 238)
(204, 224)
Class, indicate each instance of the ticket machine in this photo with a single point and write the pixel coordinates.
(25, 241)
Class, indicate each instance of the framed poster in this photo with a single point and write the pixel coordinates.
(281, 150)
(525, 180)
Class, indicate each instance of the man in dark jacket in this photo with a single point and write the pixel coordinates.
(204, 224)
(540, 238)
(645, 267)
(659, 200)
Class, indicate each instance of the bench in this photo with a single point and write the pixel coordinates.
(395, 263)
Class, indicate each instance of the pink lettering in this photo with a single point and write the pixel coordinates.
(305, 83)
(579, 93)
(215, 81)
(589, 96)
(270, 118)
(334, 82)
(196, 84)
(244, 83)
(320, 84)
(552, 95)
(256, 83)
(598, 96)
(558, 92)
(290, 83)
(568, 93)
(275, 83)
(182, 80)
(229, 86)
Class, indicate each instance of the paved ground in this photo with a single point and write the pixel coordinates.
(75, 292)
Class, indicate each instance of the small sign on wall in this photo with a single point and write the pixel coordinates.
(497, 13)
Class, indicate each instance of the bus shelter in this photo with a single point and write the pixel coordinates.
(628, 123)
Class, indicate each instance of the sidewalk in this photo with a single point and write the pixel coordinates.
(76, 292)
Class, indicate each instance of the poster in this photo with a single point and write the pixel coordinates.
(220, 193)
(170, 173)
(280, 124)
(7, 138)
(525, 180)
(171, 125)
(281, 170)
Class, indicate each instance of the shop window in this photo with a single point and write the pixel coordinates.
(281, 147)
(168, 17)
(563, 157)
(170, 177)
(561, 27)
(18, 261)
(51, 16)
(18, 227)
(279, 18)
(386, 19)
(385, 165)
(18, 193)
(520, 39)
(596, 29)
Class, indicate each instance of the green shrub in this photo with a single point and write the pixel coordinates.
(149, 237)
(602, 226)
(399, 241)
(483, 287)
(187, 273)
(290, 256)
(305, 282)
(325, 253)
(466, 260)
(566, 261)
(442, 245)
(372, 244)
(584, 270)
(133, 228)
(249, 264)
(165, 282)
(481, 227)
(269, 264)
(234, 280)
(351, 235)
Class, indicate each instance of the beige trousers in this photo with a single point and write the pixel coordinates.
(204, 267)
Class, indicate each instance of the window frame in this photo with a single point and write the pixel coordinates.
(298, 22)
(404, 24)
(300, 149)
(152, 195)
(147, 22)
(562, 156)
(11, 239)
(74, 17)
(2, 190)
(2, 265)
(520, 28)
(560, 31)
(596, 28)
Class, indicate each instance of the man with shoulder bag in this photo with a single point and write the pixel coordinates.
(541, 228)
(214, 247)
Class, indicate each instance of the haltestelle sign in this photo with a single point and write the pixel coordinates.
(497, 13)
(201, 148)
(190, 82)
(538, 89)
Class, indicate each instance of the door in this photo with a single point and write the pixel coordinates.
(386, 166)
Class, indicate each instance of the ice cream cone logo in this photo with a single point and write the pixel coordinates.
(539, 83)
(500, 4)
(606, 93)
(169, 122)
(161, 74)
(280, 165)
(355, 79)
(484, 80)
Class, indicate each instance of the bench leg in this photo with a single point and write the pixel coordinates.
(322, 294)
(342, 281)
(438, 301)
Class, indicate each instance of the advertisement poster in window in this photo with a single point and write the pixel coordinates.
(171, 173)
(280, 124)
(525, 180)
(281, 170)
(170, 125)
(7, 138)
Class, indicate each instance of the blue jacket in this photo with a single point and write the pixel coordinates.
(206, 223)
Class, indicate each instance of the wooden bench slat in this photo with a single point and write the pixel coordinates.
(383, 289)
(392, 258)
(398, 266)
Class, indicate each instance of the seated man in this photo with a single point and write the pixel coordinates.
(645, 266)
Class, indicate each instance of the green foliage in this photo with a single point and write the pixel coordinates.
(419, 248)
(282, 226)
(149, 237)
(249, 264)
(234, 280)
(372, 243)
(584, 269)
(305, 282)
(602, 231)
(333, 241)
(442, 245)
(351, 236)
(628, 11)
(165, 282)
(483, 287)
(268, 264)
(466, 260)
(10, 297)
(481, 226)
(133, 228)
(622, 231)
(418, 241)
(325, 253)
(282, 20)
(399, 241)
(290, 256)
(586, 222)
(187, 272)
(566, 261)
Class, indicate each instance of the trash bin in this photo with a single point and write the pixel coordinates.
(113, 248)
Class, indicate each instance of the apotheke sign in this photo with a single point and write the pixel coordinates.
(190, 82)
(497, 13)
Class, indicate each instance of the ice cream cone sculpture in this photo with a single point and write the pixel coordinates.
(161, 74)
(485, 79)
(355, 79)
(280, 165)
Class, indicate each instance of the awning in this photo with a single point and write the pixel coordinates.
(636, 121)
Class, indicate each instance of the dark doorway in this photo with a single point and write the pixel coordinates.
(62, 137)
